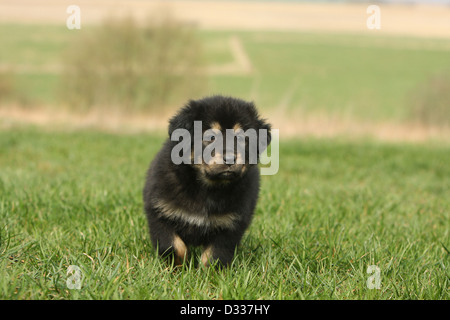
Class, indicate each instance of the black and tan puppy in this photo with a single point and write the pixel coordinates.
(205, 201)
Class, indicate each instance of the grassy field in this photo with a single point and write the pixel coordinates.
(365, 77)
(334, 209)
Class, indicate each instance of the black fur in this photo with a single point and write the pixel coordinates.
(195, 203)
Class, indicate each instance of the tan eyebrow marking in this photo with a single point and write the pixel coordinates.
(216, 125)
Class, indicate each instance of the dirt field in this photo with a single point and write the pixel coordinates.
(412, 20)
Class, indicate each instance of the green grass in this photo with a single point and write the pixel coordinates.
(363, 76)
(334, 208)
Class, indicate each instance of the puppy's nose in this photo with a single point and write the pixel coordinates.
(229, 158)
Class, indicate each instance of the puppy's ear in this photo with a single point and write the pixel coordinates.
(262, 124)
(259, 124)
(184, 119)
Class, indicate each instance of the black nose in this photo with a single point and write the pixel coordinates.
(229, 158)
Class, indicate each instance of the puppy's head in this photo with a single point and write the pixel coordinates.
(226, 135)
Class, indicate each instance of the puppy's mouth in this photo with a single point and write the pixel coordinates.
(225, 175)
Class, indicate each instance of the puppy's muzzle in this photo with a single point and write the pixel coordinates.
(229, 158)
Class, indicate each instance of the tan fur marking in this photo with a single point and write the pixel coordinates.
(216, 125)
(237, 126)
(217, 159)
(170, 211)
(206, 256)
(239, 158)
(180, 250)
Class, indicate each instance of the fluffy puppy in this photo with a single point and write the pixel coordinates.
(205, 201)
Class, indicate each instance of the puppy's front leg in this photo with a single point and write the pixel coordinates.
(221, 249)
(168, 243)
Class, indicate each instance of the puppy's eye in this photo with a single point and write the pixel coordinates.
(209, 136)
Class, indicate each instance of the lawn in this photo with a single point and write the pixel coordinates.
(334, 209)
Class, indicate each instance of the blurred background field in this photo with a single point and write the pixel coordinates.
(309, 77)
(364, 145)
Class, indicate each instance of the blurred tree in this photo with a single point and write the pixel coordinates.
(129, 67)
(431, 101)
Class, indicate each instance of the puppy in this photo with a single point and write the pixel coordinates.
(199, 190)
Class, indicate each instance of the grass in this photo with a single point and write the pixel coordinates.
(360, 76)
(365, 76)
(334, 209)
